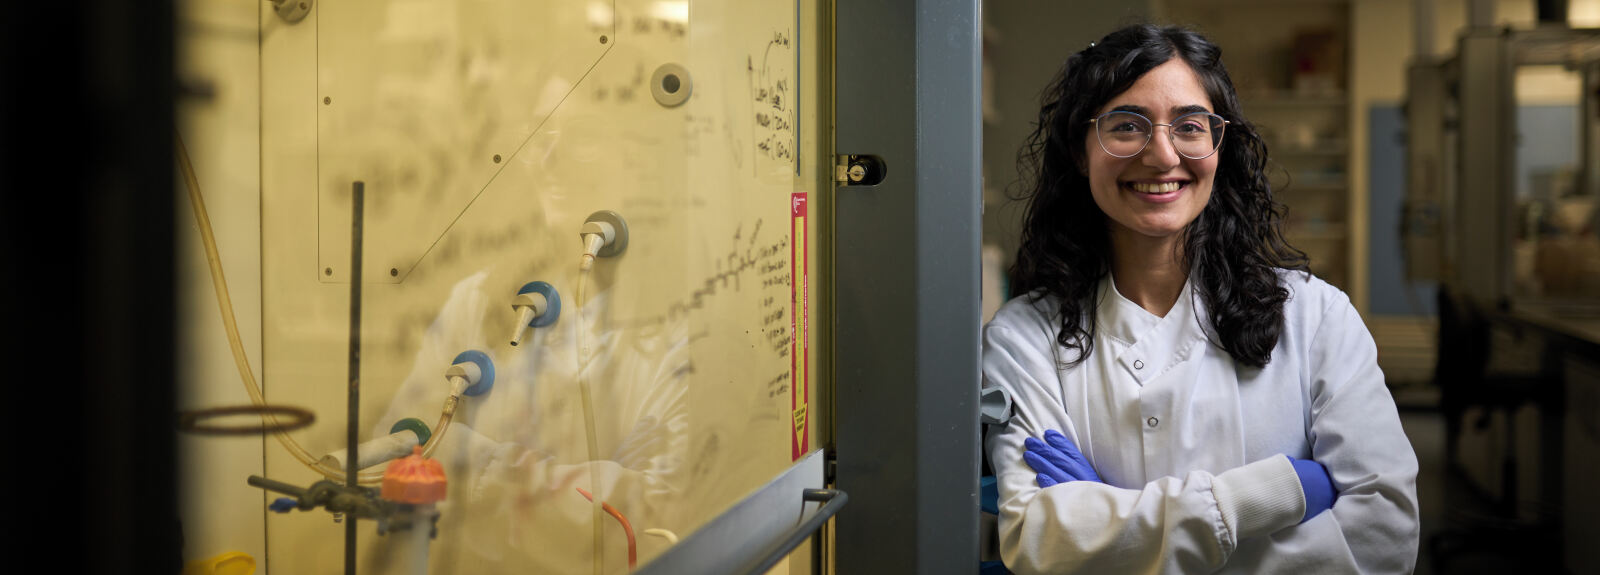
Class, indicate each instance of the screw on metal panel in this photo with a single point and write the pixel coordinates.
(857, 172)
(394, 272)
(327, 100)
(602, 39)
(497, 158)
(327, 271)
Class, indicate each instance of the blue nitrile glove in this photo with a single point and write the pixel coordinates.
(1317, 485)
(1057, 460)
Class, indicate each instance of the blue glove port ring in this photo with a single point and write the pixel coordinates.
(484, 365)
(552, 311)
(416, 426)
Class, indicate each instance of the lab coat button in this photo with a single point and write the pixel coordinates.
(1152, 422)
(1138, 364)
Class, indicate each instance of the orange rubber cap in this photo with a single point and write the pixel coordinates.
(413, 479)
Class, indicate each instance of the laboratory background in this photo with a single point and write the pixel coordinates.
(696, 286)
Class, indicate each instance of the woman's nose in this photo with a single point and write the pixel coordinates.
(1160, 153)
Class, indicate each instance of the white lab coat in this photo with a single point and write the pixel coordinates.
(1191, 444)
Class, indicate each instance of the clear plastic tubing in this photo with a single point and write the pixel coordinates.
(588, 420)
(246, 375)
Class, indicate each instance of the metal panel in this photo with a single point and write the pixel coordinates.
(1485, 201)
(1590, 106)
(1425, 102)
(907, 287)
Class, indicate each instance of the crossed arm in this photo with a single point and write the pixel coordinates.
(1196, 522)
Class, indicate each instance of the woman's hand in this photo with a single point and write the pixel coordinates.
(1317, 486)
(1057, 460)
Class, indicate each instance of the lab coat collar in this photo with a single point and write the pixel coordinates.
(1152, 344)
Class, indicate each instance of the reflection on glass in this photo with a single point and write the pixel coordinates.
(517, 469)
(583, 425)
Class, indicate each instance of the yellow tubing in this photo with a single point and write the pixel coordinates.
(224, 302)
(588, 420)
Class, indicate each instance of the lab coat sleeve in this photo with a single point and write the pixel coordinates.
(1190, 524)
(1355, 433)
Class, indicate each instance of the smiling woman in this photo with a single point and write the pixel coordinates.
(1151, 188)
(1187, 397)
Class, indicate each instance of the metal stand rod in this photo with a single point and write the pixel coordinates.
(353, 400)
(278, 486)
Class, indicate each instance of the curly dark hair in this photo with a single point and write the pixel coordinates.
(1236, 244)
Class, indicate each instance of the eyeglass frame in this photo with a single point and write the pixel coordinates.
(1171, 137)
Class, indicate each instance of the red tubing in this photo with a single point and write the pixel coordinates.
(633, 549)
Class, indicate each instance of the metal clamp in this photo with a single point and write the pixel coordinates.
(357, 502)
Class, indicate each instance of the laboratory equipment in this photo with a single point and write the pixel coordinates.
(415, 485)
(403, 435)
(485, 135)
(191, 421)
(537, 305)
(670, 85)
(627, 528)
(1474, 145)
(604, 234)
(1503, 156)
(355, 502)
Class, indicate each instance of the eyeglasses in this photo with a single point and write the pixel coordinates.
(1124, 134)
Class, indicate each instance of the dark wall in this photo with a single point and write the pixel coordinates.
(85, 167)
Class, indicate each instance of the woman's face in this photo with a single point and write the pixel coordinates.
(1155, 193)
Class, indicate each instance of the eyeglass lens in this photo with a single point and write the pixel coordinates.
(1125, 134)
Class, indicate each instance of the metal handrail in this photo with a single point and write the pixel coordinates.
(833, 500)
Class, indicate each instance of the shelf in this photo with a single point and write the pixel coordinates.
(1313, 152)
(1264, 4)
(1322, 236)
(1313, 186)
(1281, 100)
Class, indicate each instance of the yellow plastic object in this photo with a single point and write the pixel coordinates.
(230, 563)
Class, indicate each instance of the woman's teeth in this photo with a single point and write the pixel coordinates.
(1161, 188)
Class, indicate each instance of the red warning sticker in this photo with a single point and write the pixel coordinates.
(799, 317)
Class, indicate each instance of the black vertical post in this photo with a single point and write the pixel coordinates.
(353, 400)
(907, 286)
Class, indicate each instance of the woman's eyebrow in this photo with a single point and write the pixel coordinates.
(1176, 110)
